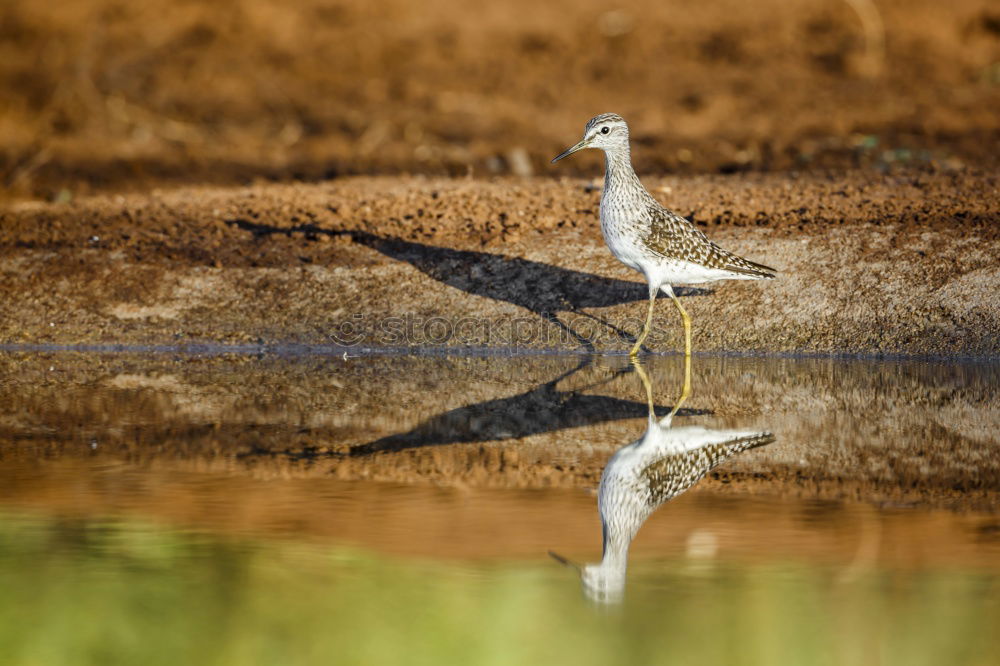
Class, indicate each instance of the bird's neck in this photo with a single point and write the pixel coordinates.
(616, 544)
(618, 172)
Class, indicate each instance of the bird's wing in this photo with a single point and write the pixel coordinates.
(674, 473)
(674, 237)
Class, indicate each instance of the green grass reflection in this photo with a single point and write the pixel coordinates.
(84, 592)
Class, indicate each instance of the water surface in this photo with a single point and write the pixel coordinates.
(237, 509)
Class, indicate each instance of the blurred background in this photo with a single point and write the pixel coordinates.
(118, 94)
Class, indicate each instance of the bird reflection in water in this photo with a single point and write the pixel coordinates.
(643, 475)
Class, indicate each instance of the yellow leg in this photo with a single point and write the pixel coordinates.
(646, 384)
(649, 324)
(687, 323)
(686, 390)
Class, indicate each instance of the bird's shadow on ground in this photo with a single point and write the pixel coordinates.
(541, 288)
(545, 408)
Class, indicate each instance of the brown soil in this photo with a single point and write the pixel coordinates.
(901, 262)
(104, 94)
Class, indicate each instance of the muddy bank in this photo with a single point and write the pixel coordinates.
(889, 433)
(899, 262)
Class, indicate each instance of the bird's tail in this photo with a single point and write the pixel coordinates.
(743, 441)
(758, 439)
(750, 269)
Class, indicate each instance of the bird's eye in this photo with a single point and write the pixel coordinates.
(605, 130)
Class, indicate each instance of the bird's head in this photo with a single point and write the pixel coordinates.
(603, 583)
(607, 131)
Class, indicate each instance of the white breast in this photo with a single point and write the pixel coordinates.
(624, 227)
(622, 230)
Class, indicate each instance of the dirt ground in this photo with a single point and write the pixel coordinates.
(111, 95)
(850, 144)
(903, 262)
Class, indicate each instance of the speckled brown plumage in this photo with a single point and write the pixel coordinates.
(671, 475)
(673, 237)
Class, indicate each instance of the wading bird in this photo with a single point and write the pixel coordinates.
(644, 235)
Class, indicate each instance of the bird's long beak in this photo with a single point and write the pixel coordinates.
(569, 151)
(563, 561)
